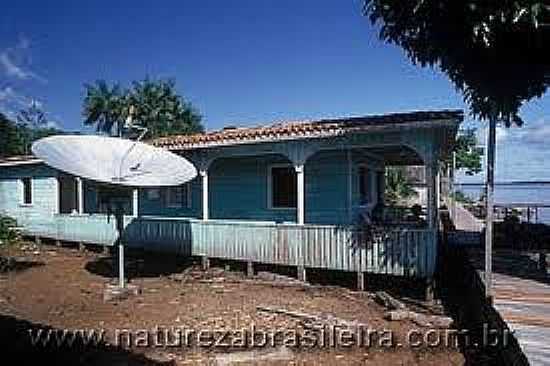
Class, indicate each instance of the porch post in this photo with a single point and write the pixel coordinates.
(350, 186)
(204, 175)
(57, 196)
(300, 205)
(433, 199)
(437, 187)
(80, 194)
(437, 195)
(135, 203)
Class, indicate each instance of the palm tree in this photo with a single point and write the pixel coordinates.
(156, 105)
(397, 186)
(104, 107)
(159, 108)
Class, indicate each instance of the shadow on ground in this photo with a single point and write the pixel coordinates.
(397, 286)
(18, 348)
(9, 264)
(514, 263)
(143, 264)
(140, 264)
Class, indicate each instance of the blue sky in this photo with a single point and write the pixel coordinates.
(240, 62)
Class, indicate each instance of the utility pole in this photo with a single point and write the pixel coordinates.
(489, 204)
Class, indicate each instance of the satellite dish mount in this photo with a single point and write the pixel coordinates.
(115, 162)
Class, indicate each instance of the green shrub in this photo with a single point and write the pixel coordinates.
(461, 197)
(8, 232)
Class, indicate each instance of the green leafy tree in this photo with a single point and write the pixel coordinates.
(494, 52)
(397, 185)
(39, 133)
(104, 106)
(159, 108)
(462, 197)
(33, 124)
(11, 141)
(155, 105)
(30, 120)
(17, 138)
(468, 154)
(32, 117)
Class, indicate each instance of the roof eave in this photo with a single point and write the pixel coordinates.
(21, 162)
(430, 124)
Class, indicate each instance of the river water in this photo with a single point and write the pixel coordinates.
(516, 193)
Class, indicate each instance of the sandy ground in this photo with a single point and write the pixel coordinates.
(63, 288)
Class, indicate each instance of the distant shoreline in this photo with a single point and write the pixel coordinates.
(515, 194)
(513, 183)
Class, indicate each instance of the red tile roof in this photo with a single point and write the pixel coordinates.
(307, 129)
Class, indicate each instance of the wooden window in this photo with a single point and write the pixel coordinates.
(153, 194)
(283, 187)
(68, 194)
(27, 190)
(177, 197)
(364, 185)
(108, 198)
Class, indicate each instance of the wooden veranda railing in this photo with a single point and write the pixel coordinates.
(400, 252)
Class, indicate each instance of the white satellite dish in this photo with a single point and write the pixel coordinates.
(115, 161)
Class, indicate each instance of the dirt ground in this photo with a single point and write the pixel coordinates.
(62, 288)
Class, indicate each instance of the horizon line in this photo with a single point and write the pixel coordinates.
(506, 183)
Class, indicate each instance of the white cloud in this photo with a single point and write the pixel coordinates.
(53, 124)
(15, 62)
(11, 102)
(522, 152)
(537, 134)
(5, 93)
(10, 68)
(502, 135)
(9, 96)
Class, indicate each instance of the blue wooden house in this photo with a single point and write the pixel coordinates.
(291, 193)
